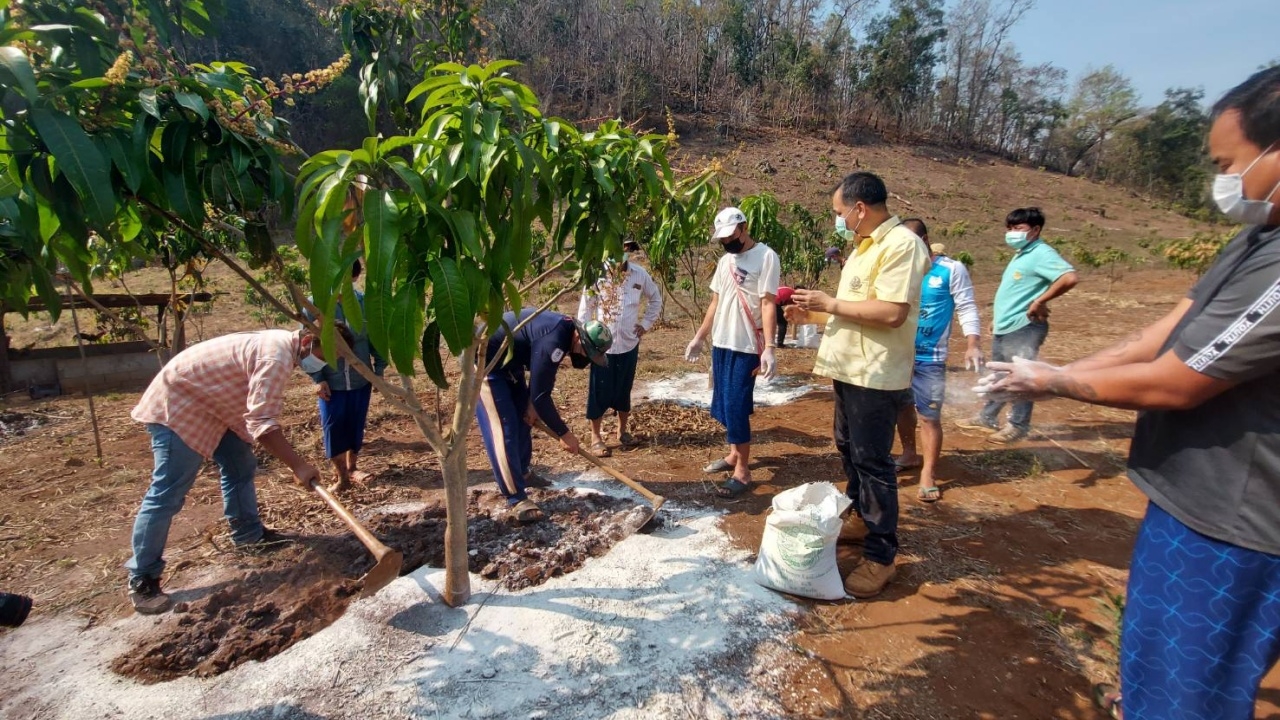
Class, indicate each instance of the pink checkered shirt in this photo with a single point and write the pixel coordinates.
(234, 382)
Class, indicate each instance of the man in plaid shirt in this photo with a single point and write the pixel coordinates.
(214, 400)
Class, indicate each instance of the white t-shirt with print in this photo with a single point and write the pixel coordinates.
(756, 276)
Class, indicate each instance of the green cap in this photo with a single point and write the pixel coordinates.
(596, 340)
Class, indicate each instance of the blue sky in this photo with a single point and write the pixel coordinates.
(1158, 44)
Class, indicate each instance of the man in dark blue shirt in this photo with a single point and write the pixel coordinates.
(510, 403)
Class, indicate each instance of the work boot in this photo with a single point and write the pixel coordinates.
(1009, 434)
(269, 542)
(853, 529)
(145, 594)
(868, 579)
(976, 422)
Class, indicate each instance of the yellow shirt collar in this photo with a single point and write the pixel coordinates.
(879, 233)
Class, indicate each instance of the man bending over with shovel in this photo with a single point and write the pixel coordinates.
(214, 400)
(511, 404)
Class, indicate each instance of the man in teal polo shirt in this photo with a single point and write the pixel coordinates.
(1035, 275)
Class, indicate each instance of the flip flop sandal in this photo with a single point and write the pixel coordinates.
(361, 477)
(717, 467)
(627, 440)
(733, 488)
(929, 495)
(1108, 700)
(601, 450)
(900, 467)
(527, 512)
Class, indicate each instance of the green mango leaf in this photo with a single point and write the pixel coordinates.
(183, 190)
(193, 102)
(81, 162)
(382, 252)
(149, 102)
(407, 313)
(431, 356)
(15, 72)
(451, 304)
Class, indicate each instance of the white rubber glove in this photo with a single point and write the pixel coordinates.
(694, 351)
(768, 364)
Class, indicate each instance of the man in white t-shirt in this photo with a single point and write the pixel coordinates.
(742, 324)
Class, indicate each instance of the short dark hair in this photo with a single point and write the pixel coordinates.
(1258, 102)
(1029, 215)
(863, 187)
(631, 246)
(917, 226)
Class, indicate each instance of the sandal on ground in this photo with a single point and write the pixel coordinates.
(526, 512)
(626, 439)
(929, 495)
(718, 466)
(1108, 700)
(600, 450)
(360, 477)
(732, 488)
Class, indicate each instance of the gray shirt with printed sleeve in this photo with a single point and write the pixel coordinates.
(1216, 467)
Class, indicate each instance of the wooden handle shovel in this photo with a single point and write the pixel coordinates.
(389, 561)
(656, 500)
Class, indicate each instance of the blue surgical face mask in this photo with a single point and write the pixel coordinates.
(311, 364)
(842, 227)
(1016, 239)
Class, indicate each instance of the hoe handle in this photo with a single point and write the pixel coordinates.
(370, 541)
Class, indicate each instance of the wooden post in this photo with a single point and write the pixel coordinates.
(6, 378)
(84, 363)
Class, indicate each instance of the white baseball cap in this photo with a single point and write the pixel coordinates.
(727, 221)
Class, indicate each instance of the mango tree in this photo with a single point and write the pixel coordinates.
(113, 146)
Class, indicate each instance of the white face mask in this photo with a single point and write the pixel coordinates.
(1228, 193)
(311, 364)
(1016, 239)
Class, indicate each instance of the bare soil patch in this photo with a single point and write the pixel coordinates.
(302, 589)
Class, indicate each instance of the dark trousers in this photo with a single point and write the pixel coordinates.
(508, 439)
(864, 426)
(782, 328)
(1024, 343)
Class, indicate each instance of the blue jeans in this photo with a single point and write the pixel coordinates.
(176, 467)
(1025, 343)
(508, 439)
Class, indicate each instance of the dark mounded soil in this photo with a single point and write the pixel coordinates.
(308, 586)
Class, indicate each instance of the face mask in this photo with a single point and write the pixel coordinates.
(734, 246)
(1228, 193)
(1016, 239)
(311, 364)
(843, 230)
(579, 361)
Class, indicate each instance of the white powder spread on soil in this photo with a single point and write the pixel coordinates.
(692, 389)
(665, 625)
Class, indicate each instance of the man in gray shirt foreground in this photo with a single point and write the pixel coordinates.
(1202, 617)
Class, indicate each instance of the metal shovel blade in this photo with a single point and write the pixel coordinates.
(381, 575)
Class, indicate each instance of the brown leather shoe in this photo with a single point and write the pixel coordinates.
(868, 579)
(854, 529)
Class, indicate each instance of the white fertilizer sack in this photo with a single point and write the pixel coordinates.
(798, 551)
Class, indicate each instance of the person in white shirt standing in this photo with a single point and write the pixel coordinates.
(742, 324)
(615, 301)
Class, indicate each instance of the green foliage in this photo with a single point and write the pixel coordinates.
(273, 279)
(1196, 253)
(965, 257)
(110, 142)
(903, 48)
(799, 236)
(452, 208)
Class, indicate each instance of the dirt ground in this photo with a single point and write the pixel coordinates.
(1000, 607)
(1003, 606)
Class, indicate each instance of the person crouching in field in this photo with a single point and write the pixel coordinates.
(615, 301)
(741, 322)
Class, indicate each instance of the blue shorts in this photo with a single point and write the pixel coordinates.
(343, 417)
(733, 392)
(1201, 624)
(929, 388)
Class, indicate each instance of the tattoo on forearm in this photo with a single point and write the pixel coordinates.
(1067, 387)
